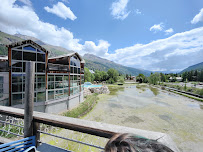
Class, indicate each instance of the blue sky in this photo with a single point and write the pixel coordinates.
(153, 35)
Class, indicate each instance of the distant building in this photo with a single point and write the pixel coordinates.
(173, 79)
(91, 71)
(179, 79)
(58, 80)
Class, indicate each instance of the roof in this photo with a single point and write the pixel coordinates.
(3, 57)
(91, 71)
(69, 55)
(15, 44)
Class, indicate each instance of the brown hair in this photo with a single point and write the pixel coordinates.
(133, 143)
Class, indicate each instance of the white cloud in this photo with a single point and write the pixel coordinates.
(26, 2)
(157, 27)
(61, 10)
(101, 49)
(169, 31)
(175, 52)
(118, 9)
(198, 17)
(15, 19)
(138, 12)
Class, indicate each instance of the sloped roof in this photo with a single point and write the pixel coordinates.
(69, 55)
(3, 57)
(15, 44)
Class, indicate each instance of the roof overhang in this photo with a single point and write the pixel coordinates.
(20, 43)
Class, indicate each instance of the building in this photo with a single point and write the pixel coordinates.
(58, 80)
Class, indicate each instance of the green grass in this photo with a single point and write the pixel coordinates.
(83, 108)
(195, 98)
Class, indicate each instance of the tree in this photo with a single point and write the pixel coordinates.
(154, 78)
(141, 78)
(127, 76)
(97, 75)
(113, 74)
(87, 75)
(162, 77)
(104, 76)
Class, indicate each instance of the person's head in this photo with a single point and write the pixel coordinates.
(133, 143)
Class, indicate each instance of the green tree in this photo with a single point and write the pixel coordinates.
(104, 76)
(154, 78)
(87, 75)
(127, 76)
(121, 79)
(97, 75)
(113, 74)
(141, 78)
(162, 77)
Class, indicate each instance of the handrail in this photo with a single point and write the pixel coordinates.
(89, 127)
(84, 126)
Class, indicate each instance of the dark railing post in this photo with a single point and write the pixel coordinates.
(36, 127)
(29, 99)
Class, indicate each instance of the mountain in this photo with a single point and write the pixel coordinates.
(6, 39)
(54, 50)
(92, 62)
(198, 66)
(96, 63)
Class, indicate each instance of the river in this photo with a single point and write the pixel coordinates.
(148, 108)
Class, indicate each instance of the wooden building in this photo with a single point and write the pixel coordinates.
(58, 80)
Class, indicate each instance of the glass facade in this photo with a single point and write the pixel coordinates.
(19, 57)
(75, 84)
(59, 84)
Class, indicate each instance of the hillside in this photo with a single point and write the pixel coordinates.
(198, 66)
(92, 62)
(8, 39)
(96, 63)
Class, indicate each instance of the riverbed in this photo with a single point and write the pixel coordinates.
(149, 108)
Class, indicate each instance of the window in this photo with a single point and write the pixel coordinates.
(50, 95)
(29, 47)
(58, 86)
(17, 66)
(16, 55)
(40, 57)
(16, 99)
(41, 96)
(29, 56)
(40, 67)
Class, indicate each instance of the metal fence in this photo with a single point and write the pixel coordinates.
(13, 128)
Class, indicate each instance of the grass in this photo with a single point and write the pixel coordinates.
(195, 98)
(83, 108)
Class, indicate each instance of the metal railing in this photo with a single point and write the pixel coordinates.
(73, 137)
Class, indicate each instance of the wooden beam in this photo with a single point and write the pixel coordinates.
(29, 99)
(9, 59)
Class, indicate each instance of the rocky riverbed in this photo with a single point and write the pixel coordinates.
(149, 108)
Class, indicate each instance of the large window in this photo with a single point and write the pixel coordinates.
(75, 75)
(19, 57)
(58, 86)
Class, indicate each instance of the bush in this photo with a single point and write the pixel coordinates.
(111, 81)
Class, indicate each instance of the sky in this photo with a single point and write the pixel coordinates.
(155, 35)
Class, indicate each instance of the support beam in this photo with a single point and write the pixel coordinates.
(29, 99)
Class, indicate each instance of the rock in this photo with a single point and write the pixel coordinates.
(99, 90)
